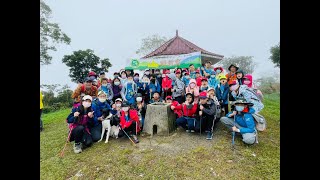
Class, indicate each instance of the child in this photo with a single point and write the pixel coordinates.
(240, 76)
(198, 78)
(204, 85)
(231, 76)
(193, 89)
(212, 80)
(222, 91)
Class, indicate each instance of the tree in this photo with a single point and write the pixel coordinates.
(50, 34)
(150, 44)
(275, 55)
(244, 63)
(83, 61)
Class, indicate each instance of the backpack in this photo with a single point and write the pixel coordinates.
(254, 91)
(83, 88)
(260, 121)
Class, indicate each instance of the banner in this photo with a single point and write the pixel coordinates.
(166, 62)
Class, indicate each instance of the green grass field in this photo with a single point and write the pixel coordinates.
(179, 156)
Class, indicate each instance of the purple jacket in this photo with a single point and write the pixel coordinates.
(116, 90)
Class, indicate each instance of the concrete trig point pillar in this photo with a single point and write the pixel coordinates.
(159, 119)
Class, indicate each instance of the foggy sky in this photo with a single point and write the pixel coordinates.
(114, 29)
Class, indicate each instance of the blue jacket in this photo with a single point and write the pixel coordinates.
(185, 80)
(246, 121)
(212, 82)
(97, 107)
(209, 71)
(108, 90)
(222, 95)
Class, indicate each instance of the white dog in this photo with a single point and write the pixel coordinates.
(113, 131)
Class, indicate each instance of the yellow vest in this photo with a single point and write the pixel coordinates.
(41, 103)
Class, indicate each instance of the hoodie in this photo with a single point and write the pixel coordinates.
(195, 90)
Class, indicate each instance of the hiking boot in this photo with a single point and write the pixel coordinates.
(77, 148)
(135, 139)
(192, 131)
(187, 130)
(209, 136)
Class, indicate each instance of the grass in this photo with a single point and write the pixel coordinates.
(179, 156)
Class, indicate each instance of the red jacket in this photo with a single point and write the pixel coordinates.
(198, 79)
(176, 111)
(188, 112)
(133, 116)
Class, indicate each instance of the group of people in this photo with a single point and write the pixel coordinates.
(199, 97)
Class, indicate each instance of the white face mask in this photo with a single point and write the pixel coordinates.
(125, 109)
(147, 72)
(123, 76)
(139, 98)
(86, 104)
(117, 83)
(102, 99)
(118, 105)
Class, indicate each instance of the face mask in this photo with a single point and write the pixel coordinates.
(204, 88)
(218, 71)
(192, 85)
(136, 78)
(139, 98)
(156, 73)
(117, 83)
(159, 75)
(234, 87)
(129, 81)
(102, 99)
(213, 76)
(118, 105)
(187, 77)
(92, 77)
(147, 72)
(234, 94)
(239, 108)
(115, 76)
(123, 76)
(104, 85)
(86, 104)
(125, 109)
(246, 82)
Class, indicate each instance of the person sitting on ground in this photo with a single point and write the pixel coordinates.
(80, 120)
(189, 109)
(207, 114)
(98, 106)
(129, 121)
(242, 91)
(204, 85)
(141, 107)
(231, 76)
(129, 90)
(85, 89)
(193, 89)
(116, 89)
(106, 87)
(222, 91)
(156, 98)
(243, 122)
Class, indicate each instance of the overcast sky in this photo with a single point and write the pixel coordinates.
(114, 29)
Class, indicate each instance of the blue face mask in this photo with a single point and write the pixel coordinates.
(240, 108)
(218, 71)
(213, 76)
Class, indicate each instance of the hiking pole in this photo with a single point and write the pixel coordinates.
(65, 145)
(200, 123)
(233, 133)
(128, 136)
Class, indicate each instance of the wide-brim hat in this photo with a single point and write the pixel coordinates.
(233, 66)
(242, 101)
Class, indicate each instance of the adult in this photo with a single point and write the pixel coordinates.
(178, 90)
(41, 107)
(129, 90)
(231, 75)
(85, 89)
(80, 120)
(116, 89)
(243, 122)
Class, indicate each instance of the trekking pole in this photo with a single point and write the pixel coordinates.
(65, 145)
(128, 136)
(233, 133)
(200, 123)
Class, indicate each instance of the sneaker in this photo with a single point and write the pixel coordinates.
(77, 148)
(192, 131)
(209, 136)
(187, 130)
(135, 139)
